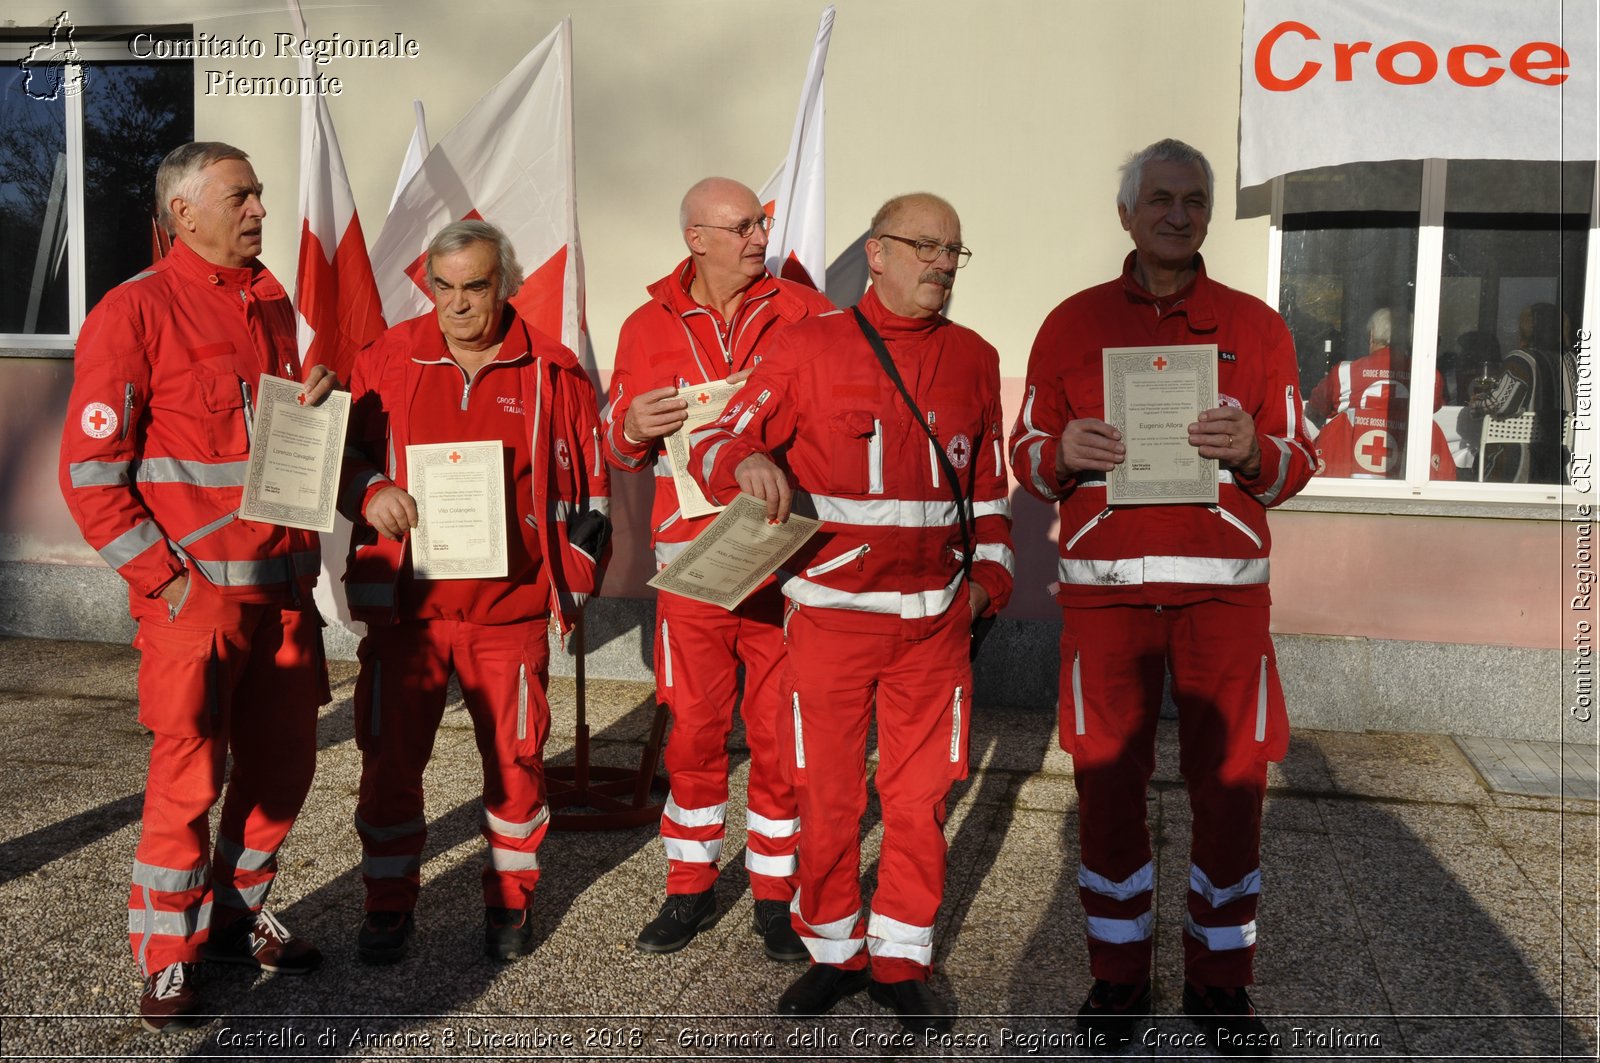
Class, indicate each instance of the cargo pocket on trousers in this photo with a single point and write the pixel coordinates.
(368, 697)
(1070, 715)
(960, 728)
(180, 680)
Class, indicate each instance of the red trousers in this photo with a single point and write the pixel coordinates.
(1231, 722)
(699, 649)
(221, 676)
(920, 690)
(400, 696)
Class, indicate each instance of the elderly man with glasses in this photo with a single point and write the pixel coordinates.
(711, 319)
(885, 423)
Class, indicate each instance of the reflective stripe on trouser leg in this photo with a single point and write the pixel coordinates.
(399, 701)
(834, 695)
(772, 833)
(699, 686)
(1221, 686)
(1111, 704)
(839, 942)
(504, 670)
(273, 740)
(921, 725)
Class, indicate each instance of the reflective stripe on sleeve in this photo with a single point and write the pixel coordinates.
(98, 473)
(193, 473)
(131, 543)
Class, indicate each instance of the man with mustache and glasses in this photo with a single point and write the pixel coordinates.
(884, 421)
(153, 459)
(712, 318)
(1148, 589)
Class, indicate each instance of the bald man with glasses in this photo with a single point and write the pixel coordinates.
(709, 320)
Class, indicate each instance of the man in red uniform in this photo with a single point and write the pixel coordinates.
(153, 457)
(1378, 382)
(1151, 589)
(710, 319)
(884, 596)
(470, 371)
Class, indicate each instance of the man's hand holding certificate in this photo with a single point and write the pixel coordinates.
(295, 451)
(1153, 396)
(731, 557)
(706, 402)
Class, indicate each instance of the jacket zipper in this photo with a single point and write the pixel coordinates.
(1077, 693)
(955, 728)
(522, 702)
(249, 412)
(933, 454)
(799, 735)
(858, 554)
(127, 410)
(1237, 523)
(875, 459)
(1087, 528)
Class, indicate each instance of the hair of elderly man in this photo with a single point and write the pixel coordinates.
(1168, 150)
(460, 234)
(181, 173)
(891, 210)
(1388, 325)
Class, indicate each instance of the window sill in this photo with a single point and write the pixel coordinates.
(1420, 507)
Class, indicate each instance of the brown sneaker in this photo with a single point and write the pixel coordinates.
(169, 998)
(264, 943)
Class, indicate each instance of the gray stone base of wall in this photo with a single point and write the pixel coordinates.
(1341, 684)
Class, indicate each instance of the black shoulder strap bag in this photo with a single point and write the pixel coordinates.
(964, 513)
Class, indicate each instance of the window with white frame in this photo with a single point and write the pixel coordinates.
(1456, 296)
(83, 125)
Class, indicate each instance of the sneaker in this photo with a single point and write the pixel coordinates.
(778, 938)
(682, 917)
(384, 936)
(1229, 1020)
(507, 933)
(169, 998)
(1113, 1011)
(263, 943)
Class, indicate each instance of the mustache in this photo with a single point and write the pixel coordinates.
(933, 276)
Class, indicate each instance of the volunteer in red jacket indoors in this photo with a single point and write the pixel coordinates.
(1379, 381)
(710, 319)
(153, 458)
(1148, 589)
(882, 599)
(472, 370)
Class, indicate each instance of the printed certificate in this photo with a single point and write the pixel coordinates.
(1153, 395)
(460, 490)
(731, 557)
(706, 402)
(295, 452)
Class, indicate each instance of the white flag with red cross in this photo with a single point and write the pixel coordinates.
(335, 298)
(793, 196)
(510, 162)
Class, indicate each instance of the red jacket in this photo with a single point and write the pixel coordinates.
(890, 548)
(1163, 554)
(157, 434)
(1371, 383)
(571, 484)
(671, 340)
(1363, 444)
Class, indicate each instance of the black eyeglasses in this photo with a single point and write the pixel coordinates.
(928, 251)
(744, 230)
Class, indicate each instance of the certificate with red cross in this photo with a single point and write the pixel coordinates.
(1153, 395)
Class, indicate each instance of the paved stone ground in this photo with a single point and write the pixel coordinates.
(1408, 910)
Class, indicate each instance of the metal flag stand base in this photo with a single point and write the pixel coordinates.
(595, 797)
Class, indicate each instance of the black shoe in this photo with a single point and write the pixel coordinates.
(914, 1004)
(777, 933)
(682, 917)
(819, 989)
(1113, 1011)
(507, 933)
(263, 943)
(1229, 1020)
(383, 937)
